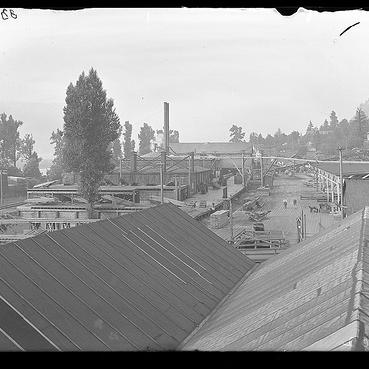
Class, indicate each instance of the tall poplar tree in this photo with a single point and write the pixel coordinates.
(90, 125)
(128, 143)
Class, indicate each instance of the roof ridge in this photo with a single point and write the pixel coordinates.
(361, 343)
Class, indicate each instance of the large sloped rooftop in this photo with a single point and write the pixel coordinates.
(141, 281)
(313, 296)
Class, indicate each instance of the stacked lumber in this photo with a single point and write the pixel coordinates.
(219, 219)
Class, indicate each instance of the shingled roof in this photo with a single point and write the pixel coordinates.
(313, 296)
(141, 281)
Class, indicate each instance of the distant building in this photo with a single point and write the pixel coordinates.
(213, 148)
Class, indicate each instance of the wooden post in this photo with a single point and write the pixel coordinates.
(243, 169)
(166, 127)
(231, 218)
(261, 169)
(161, 183)
(341, 183)
(1, 190)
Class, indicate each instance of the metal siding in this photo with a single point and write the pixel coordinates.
(177, 250)
(87, 309)
(214, 245)
(21, 331)
(141, 276)
(211, 262)
(124, 300)
(99, 298)
(159, 269)
(63, 317)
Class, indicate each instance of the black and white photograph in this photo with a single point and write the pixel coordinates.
(184, 179)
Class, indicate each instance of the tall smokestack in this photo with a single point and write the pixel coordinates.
(166, 127)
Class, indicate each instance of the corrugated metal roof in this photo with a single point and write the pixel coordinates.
(210, 147)
(313, 296)
(347, 168)
(136, 282)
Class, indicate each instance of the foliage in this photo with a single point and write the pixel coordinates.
(90, 125)
(56, 169)
(10, 141)
(173, 136)
(31, 169)
(128, 143)
(236, 134)
(146, 135)
(117, 147)
(26, 148)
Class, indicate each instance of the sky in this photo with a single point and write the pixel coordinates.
(215, 67)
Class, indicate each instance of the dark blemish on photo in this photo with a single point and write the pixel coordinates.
(349, 28)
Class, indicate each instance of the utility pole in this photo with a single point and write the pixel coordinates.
(243, 169)
(231, 218)
(1, 190)
(261, 169)
(341, 182)
(120, 170)
(161, 182)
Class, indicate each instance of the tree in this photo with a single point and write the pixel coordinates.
(31, 169)
(9, 139)
(56, 169)
(117, 147)
(90, 125)
(260, 139)
(146, 135)
(360, 125)
(128, 143)
(325, 126)
(173, 136)
(333, 123)
(26, 148)
(269, 140)
(236, 134)
(293, 139)
(253, 139)
(310, 128)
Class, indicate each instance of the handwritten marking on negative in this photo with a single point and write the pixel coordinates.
(8, 13)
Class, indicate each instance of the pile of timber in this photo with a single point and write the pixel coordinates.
(219, 219)
(263, 190)
(320, 197)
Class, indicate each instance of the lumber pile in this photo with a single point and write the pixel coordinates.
(219, 219)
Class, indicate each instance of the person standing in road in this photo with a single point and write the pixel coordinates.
(294, 202)
(285, 203)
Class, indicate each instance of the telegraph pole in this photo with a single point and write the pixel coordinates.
(231, 218)
(341, 182)
(261, 169)
(161, 182)
(1, 190)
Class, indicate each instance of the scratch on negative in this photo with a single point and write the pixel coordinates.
(349, 28)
